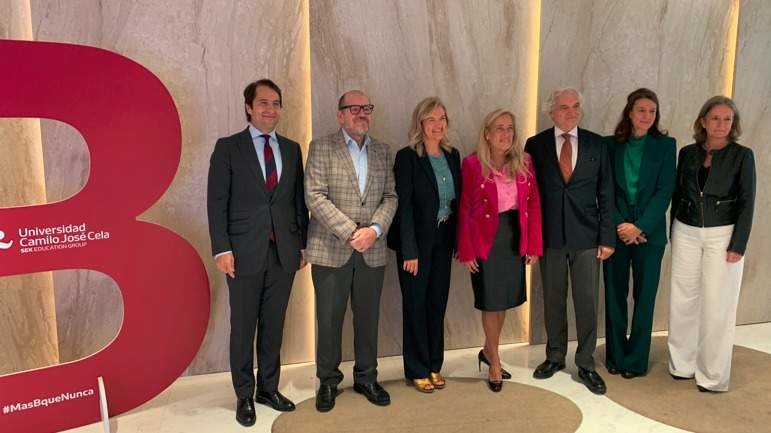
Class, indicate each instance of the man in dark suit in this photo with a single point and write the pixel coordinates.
(575, 180)
(258, 227)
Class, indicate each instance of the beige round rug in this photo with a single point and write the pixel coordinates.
(746, 407)
(465, 405)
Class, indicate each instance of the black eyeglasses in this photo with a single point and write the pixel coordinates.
(356, 109)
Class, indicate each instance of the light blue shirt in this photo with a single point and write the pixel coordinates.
(359, 158)
(259, 146)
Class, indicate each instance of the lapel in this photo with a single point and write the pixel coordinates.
(345, 156)
(287, 169)
(581, 147)
(371, 158)
(646, 164)
(551, 153)
(455, 170)
(246, 148)
(425, 164)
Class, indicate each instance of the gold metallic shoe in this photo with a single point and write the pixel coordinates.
(438, 380)
(423, 385)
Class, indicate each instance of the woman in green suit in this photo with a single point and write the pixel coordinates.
(643, 161)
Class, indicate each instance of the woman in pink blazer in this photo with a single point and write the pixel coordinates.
(499, 229)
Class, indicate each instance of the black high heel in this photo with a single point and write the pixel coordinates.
(481, 358)
(495, 386)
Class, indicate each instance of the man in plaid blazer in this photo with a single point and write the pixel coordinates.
(349, 190)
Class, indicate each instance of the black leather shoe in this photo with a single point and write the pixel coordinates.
(680, 377)
(592, 380)
(613, 370)
(245, 412)
(482, 359)
(702, 389)
(374, 393)
(325, 398)
(629, 375)
(275, 400)
(547, 369)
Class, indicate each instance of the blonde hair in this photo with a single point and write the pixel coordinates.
(421, 111)
(514, 158)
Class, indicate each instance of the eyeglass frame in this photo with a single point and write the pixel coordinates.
(356, 109)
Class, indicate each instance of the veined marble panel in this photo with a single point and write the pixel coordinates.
(27, 314)
(752, 93)
(607, 48)
(472, 55)
(205, 52)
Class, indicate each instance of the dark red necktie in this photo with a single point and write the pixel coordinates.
(271, 175)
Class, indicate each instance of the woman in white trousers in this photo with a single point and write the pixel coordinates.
(712, 211)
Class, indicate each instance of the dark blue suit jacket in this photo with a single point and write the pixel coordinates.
(577, 214)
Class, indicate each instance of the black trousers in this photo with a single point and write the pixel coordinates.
(424, 301)
(584, 269)
(333, 286)
(258, 305)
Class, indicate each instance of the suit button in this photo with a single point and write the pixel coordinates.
(481, 185)
(485, 200)
(487, 215)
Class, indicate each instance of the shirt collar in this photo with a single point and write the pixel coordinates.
(350, 142)
(256, 133)
(558, 132)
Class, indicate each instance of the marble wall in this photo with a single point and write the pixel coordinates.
(607, 48)
(476, 57)
(473, 56)
(205, 52)
(27, 312)
(752, 93)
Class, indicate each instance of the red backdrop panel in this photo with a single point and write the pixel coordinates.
(132, 131)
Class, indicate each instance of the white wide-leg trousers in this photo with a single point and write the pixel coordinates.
(704, 296)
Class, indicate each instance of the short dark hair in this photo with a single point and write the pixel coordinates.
(700, 134)
(251, 91)
(624, 126)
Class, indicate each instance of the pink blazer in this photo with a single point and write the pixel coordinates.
(478, 212)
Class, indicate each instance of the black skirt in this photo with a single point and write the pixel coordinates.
(500, 282)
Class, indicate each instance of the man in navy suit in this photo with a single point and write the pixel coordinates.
(575, 180)
(258, 227)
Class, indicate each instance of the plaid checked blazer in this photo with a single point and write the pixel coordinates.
(336, 205)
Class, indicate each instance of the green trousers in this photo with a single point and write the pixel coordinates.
(644, 260)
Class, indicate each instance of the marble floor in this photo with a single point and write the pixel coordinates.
(205, 403)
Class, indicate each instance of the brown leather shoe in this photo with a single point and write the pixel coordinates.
(438, 380)
(423, 385)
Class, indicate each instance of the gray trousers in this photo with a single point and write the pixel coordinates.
(583, 267)
(333, 287)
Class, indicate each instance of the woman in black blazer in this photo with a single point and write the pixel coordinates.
(428, 180)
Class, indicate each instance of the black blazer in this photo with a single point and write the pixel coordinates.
(654, 187)
(579, 214)
(241, 210)
(414, 227)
